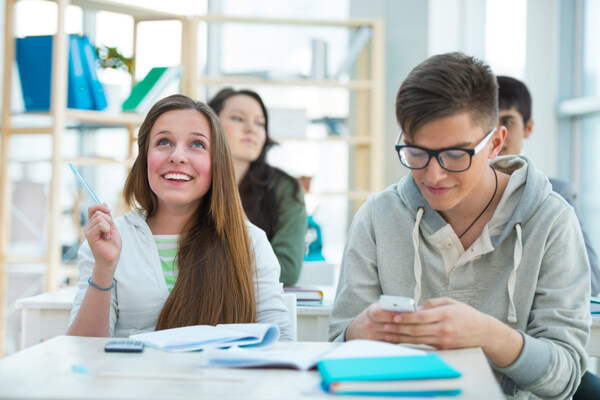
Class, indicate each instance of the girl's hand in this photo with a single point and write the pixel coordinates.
(105, 242)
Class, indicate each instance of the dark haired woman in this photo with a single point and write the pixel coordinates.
(272, 200)
(186, 254)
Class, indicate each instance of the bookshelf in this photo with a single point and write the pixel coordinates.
(366, 130)
(364, 141)
(364, 121)
(56, 121)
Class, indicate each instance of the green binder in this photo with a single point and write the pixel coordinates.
(147, 91)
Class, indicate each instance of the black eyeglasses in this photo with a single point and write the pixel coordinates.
(452, 159)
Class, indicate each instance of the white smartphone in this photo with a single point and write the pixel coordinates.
(396, 303)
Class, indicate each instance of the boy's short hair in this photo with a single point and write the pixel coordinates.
(445, 85)
(513, 93)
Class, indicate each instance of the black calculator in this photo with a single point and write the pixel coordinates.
(124, 346)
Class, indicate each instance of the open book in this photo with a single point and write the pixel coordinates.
(303, 360)
(200, 337)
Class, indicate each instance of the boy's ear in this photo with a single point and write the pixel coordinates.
(528, 128)
(497, 141)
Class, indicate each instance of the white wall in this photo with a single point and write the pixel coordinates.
(406, 42)
(457, 25)
(418, 29)
(541, 76)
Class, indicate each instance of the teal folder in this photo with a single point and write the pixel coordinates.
(79, 94)
(89, 62)
(34, 61)
(426, 375)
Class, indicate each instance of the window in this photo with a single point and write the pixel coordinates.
(580, 107)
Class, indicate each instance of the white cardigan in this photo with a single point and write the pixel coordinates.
(140, 290)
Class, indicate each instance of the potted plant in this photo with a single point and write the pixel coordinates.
(116, 73)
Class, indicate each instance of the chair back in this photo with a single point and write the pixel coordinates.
(290, 302)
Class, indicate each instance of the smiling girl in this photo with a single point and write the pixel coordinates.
(185, 255)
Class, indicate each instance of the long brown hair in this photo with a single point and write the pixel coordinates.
(215, 256)
(259, 202)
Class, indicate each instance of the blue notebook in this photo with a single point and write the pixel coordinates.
(426, 375)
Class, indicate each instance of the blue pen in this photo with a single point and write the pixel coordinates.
(84, 184)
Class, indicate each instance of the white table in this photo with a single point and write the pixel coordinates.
(313, 323)
(47, 315)
(44, 371)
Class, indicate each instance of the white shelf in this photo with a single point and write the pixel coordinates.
(252, 80)
(351, 140)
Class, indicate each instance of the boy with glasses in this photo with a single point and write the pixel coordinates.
(491, 256)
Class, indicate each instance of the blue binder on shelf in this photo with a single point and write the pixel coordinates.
(79, 91)
(89, 58)
(422, 375)
(34, 62)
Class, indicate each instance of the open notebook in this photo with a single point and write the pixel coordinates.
(304, 360)
(200, 337)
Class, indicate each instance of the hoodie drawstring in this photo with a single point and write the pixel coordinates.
(512, 279)
(418, 269)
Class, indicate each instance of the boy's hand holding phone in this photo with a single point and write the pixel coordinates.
(396, 303)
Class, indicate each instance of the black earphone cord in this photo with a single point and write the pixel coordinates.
(486, 207)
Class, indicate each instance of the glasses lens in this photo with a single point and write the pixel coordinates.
(455, 160)
(413, 157)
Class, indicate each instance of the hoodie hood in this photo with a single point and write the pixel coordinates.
(526, 190)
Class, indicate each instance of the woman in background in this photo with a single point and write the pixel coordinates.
(272, 199)
(185, 255)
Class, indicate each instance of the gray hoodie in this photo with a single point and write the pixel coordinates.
(528, 269)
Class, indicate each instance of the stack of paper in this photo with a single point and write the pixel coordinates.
(306, 295)
(595, 305)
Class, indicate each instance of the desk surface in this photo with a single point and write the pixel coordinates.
(61, 299)
(45, 371)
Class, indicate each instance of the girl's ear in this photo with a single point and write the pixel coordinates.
(497, 141)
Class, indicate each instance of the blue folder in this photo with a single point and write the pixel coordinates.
(34, 62)
(89, 58)
(79, 94)
(429, 375)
